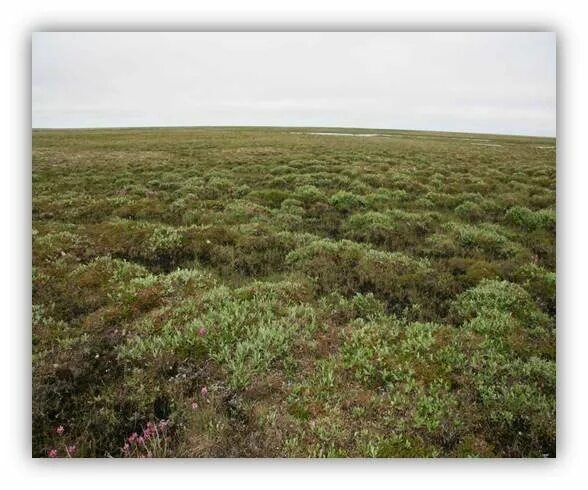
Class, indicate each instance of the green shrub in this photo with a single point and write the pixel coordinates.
(483, 239)
(531, 220)
(392, 229)
(346, 202)
(349, 268)
(163, 241)
(541, 285)
(309, 194)
(368, 353)
(500, 296)
(247, 336)
(240, 211)
(272, 198)
(469, 211)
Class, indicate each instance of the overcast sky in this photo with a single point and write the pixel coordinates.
(478, 82)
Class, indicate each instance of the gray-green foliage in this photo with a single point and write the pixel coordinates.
(271, 293)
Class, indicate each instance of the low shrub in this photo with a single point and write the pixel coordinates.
(346, 202)
(531, 220)
(349, 268)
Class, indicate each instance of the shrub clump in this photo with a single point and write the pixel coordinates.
(531, 220)
(346, 202)
(348, 267)
(392, 229)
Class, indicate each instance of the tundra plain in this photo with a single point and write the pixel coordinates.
(282, 292)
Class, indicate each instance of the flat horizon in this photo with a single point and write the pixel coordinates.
(253, 126)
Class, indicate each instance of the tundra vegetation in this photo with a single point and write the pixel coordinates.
(266, 292)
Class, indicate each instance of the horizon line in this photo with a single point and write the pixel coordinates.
(173, 126)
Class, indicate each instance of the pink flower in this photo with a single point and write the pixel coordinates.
(133, 437)
(204, 391)
(202, 332)
(163, 424)
(126, 448)
(53, 453)
(140, 440)
(60, 430)
(71, 450)
(149, 430)
(194, 405)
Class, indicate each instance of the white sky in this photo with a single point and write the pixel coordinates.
(479, 82)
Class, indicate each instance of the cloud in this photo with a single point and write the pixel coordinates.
(489, 82)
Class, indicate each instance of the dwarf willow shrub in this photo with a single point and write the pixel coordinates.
(346, 201)
(379, 200)
(125, 288)
(348, 267)
(469, 197)
(341, 309)
(368, 352)
(215, 187)
(483, 239)
(486, 239)
(164, 241)
(492, 323)
(309, 194)
(247, 335)
(332, 264)
(289, 220)
(282, 169)
(371, 227)
(540, 283)
(418, 339)
(469, 211)
(292, 205)
(442, 200)
(500, 296)
(180, 283)
(514, 402)
(367, 306)
(392, 229)
(424, 203)
(398, 195)
(52, 245)
(380, 352)
(435, 407)
(531, 220)
(492, 295)
(521, 216)
(271, 198)
(106, 273)
(242, 211)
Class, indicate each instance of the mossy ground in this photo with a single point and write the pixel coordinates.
(389, 296)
